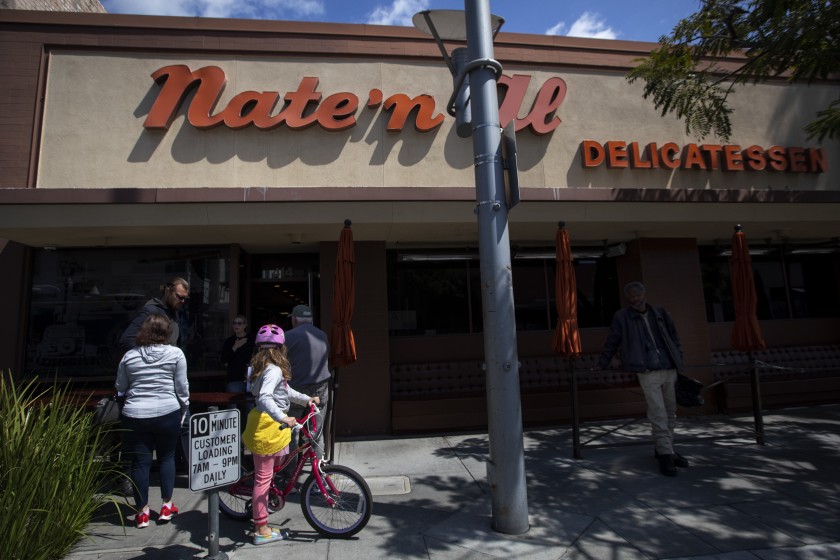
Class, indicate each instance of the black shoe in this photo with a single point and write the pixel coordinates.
(679, 460)
(666, 465)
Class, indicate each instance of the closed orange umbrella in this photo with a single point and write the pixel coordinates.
(566, 335)
(342, 343)
(746, 334)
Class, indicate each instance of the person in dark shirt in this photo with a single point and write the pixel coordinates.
(647, 342)
(237, 351)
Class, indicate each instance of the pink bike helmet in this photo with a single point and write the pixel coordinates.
(270, 335)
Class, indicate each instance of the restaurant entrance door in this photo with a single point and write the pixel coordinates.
(277, 283)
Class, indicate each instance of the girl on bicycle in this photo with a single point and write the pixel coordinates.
(264, 434)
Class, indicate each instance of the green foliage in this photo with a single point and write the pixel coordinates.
(692, 73)
(49, 472)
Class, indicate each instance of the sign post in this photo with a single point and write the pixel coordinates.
(214, 461)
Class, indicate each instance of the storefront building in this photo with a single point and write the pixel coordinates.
(230, 152)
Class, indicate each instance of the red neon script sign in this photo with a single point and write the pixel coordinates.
(307, 107)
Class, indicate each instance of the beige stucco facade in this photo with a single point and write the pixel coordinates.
(81, 170)
(96, 103)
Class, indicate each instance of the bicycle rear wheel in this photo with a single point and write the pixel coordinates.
(352, 502)
(235, 500)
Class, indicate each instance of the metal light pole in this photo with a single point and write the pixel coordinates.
(477, 111)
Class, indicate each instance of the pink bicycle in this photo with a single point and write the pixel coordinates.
(336, 501)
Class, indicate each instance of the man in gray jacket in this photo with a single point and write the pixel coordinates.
(647, 342)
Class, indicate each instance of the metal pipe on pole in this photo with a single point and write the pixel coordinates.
(506, 465)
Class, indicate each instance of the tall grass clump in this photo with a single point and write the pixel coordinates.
(50, 475)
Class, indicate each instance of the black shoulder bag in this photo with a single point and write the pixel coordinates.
(689, 391)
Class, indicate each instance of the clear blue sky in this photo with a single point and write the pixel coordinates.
(608, 19)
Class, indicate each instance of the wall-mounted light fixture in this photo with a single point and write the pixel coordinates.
(436, 257)
(812, 250)
(758, 252)
(617, 250)
(577, 254)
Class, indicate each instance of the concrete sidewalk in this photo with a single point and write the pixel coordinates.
(737, 501)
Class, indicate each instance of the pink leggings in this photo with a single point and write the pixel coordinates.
(263, 472)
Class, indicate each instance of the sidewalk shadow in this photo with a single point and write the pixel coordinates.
(114, 510)
(172, 552)
(194, 523)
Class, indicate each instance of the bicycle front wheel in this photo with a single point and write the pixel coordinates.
(351, 507)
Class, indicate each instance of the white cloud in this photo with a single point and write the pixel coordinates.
(399, 12)
(591, 25)
(556, 29)
(218, 8)
(296, 7)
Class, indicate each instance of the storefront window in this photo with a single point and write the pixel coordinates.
(440, 293)
(435, 294)
(82, 300)
(798, 282)
(814, 282)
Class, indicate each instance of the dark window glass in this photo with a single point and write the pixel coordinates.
(533, 294)
(434, 297)
(789, 282)
(717, 288)
(428, 296)
(83, 299)
(770, 292)
(598, 293)
(814, 289)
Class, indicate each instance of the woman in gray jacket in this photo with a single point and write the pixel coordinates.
(153, 377)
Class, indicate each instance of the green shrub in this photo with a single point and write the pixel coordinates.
(50, 476)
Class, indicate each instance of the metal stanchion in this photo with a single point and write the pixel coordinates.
(213, 552)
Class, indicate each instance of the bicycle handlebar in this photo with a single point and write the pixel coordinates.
(313, 410)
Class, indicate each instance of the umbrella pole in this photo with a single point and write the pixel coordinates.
(756, 401)
(331, 416)
(575, 417)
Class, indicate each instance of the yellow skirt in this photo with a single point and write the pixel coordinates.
(263, 435)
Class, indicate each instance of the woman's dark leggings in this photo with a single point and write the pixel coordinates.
(142, 437)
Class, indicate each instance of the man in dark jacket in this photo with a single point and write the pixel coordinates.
(175, 294)
(308, 351)
(647, 342)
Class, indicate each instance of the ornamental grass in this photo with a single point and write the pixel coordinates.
(51, 470)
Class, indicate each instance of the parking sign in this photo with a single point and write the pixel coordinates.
(214, 449)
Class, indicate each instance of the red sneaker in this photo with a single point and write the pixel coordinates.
(166, 512)
(142, 519)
